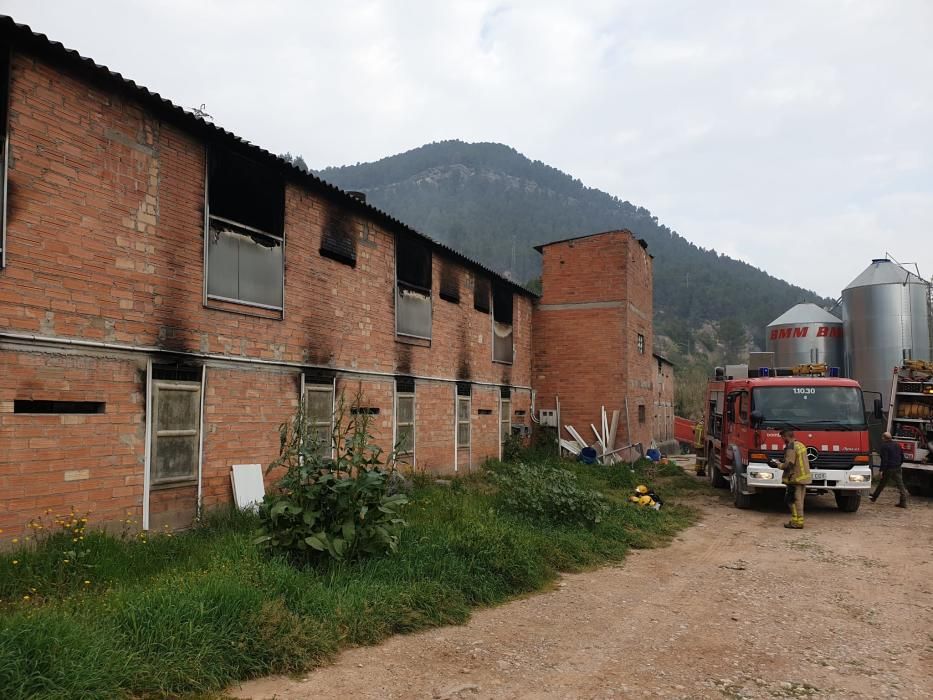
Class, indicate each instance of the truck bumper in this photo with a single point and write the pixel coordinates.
(762, 476)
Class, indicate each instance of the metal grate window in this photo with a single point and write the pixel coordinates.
(319, 407)
(176, 430)
(405, 424)
(463, 421)
(640, 344)
(505, 419)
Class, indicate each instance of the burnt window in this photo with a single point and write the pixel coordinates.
(450, 283)
(413, 287)
(58, 407)
(176, 432)
(245, 246)
(319, 411)
(338, 241)
(641, 413)
(502, 347)
(4, 143)
(481, 293)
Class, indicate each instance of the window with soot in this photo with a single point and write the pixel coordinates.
(413, 287)
(245, 247)
(502, 346)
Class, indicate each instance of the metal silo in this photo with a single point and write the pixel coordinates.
(803, 334)
(885, 312)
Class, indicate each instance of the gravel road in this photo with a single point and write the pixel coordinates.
(736, 607)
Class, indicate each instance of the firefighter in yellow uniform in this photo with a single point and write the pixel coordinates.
(796, 477)
(698, 447)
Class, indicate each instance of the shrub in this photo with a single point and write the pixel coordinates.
(337, 507)
(547, 493)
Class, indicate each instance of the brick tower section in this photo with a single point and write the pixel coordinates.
(593, 335)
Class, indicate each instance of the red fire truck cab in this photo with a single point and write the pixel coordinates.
(743, 419)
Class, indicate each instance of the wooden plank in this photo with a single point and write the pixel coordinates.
(576, 436)
(605, 427)
(598, 438)
(570, 446)
(613, 430)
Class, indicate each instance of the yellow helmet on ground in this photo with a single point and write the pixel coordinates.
(633, 499)
(646, 501)
(641, 488)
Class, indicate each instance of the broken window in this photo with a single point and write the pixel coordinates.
(413, 287)
(319, 408)
(463, 421)
(481, 293)
(245, 247)
(502, 350)
(641, 413)
(176, 430)
(405, 424)
(4, 143)
(640, 344)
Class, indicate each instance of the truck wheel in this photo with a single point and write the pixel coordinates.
(919, 484)
(741, 500)
(716, 479)
(848, 502)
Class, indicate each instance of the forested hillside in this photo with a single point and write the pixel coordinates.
(492, 203)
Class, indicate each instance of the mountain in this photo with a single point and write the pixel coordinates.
(492, 203)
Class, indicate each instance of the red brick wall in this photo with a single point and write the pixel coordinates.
(92, 462)
(105, 243)
(664, 403)
(596, 300)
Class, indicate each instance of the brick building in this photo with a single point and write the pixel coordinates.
(664, 404)
(593, 334)
(169, 293)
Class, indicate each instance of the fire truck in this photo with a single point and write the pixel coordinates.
(744, 416)
(910, 421)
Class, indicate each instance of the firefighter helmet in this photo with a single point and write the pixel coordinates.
(642, 489)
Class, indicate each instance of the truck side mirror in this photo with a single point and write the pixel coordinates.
(757, 419)
(878, 411)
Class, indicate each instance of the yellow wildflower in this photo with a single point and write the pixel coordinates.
(25, 597)
(15, 562)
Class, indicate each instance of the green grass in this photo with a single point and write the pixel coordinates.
(192, 613)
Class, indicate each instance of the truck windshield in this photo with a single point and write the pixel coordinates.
(825, 407)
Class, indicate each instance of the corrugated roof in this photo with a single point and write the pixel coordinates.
(804, 313)
(23, 37)
(884, 271)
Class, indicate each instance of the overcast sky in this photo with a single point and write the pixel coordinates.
(795, 135)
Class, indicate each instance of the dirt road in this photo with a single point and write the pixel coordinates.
(735, 607)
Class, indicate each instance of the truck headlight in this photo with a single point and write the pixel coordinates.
(761, 475)
(858, 477)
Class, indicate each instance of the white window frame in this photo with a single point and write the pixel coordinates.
(468, 400)
(160, 385)
(321, 389)
(505, 419)
(398, 424)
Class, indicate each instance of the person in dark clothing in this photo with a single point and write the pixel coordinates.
(892, 456)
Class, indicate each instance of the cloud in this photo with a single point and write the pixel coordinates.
(794, 135)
